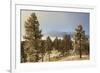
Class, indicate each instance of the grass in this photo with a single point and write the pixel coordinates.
(70, 58)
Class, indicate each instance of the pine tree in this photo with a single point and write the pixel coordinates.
(56, 44)
(32, 36)
(23, 55)
(48, 46)
(61, 47)
(42, 49)
(80, 38)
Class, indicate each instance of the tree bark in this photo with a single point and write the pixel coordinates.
(80, 50)
(49, 56)
(42, 57)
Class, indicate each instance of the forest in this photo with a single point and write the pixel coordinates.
(36, 49)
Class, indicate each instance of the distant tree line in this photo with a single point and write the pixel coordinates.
(33, 48)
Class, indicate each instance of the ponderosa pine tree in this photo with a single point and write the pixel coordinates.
(23, 55)
(43, 49)
(67, 43)
(80, 38)
(56, 43)
(61, 47)
(48, 46)
(32, 36)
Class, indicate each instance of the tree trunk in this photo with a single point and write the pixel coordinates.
(80, 53)
(80, 50)
(42, 57)
(49, 56)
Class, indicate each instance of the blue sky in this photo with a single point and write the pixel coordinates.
(58, 21)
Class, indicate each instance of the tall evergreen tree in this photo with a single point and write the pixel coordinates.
(67, 44)
(43, 49)
(61, 47)
(56, 43)
(48, 46)
(80, 38)
(23, 55)
(33, 36)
